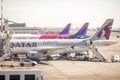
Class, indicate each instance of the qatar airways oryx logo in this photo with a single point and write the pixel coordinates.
(23, 44)
(105, 32)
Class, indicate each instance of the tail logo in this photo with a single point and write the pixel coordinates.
(105, 32)
(101, 34)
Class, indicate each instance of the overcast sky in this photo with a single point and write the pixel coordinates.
(48, 13)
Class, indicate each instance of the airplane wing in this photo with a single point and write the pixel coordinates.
(54, 50)
(50, 49)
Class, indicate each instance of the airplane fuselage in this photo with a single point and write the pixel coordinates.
(56, 45)
(23, 46)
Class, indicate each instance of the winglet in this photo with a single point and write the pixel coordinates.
(66, 29)
(104, 31)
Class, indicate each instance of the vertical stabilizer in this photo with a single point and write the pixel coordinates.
(104, 31)
(66, 29)
(82, 31)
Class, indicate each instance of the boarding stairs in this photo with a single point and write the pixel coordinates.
(97, 55)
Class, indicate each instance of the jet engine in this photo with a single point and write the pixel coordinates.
(35, 54)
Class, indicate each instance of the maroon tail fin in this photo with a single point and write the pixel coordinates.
(104, 31)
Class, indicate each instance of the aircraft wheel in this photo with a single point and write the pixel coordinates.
(33, 64)
(22, 64)
(48, 57)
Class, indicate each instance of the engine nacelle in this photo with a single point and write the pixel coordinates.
(35, 54)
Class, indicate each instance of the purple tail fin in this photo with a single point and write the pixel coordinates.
(66, 29)
(82, 31)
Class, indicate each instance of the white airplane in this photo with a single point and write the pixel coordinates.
(36, 49)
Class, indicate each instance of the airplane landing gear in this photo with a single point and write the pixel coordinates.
(48, 57)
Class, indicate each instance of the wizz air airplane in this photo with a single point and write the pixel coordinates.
(62, 35)
(36, 49)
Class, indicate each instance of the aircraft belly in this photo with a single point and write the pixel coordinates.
(70, 50)
(22, 50)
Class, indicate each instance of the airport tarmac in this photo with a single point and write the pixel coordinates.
(81, 70)
(74, 70)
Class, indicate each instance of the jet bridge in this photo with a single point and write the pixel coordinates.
(4, 41)
(97, 55)
(5, 50)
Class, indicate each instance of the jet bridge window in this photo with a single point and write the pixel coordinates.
(2, 77)
(14, 77)
(30, 77)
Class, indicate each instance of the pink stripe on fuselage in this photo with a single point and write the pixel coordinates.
(48, 36)
(54, 36)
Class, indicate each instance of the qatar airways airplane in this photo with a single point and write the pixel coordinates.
(38, 48)
(62, 35)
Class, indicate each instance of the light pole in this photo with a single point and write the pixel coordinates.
(1, 15)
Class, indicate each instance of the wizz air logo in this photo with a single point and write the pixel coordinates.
(105, 32)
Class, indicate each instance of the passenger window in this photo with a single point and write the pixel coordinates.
(27, 61)
(2, 77)
(29, 77)
(14, 77)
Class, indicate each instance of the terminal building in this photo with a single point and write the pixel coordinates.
(19, 28)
